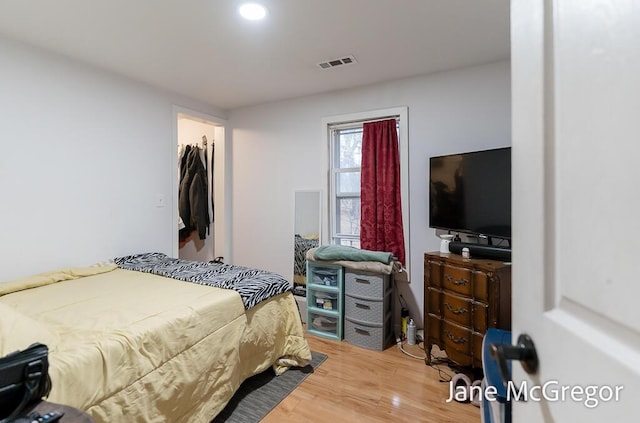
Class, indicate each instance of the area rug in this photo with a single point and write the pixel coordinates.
(259, 394)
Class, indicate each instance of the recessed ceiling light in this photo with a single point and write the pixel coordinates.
(252, 11)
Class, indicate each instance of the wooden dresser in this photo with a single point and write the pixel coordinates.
(462, 299)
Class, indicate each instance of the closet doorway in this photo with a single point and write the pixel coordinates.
(204, 136)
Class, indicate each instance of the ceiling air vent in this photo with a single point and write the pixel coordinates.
(347, 60)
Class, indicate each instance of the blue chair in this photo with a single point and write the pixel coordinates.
(498, 409)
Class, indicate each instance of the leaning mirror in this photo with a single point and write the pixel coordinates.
(306, 231)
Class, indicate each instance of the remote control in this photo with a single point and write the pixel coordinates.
(50, 417)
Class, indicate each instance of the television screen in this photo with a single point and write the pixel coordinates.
(471, 192)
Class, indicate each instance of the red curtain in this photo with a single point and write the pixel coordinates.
(380, 207)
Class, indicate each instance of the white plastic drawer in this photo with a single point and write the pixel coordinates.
(321, 323)
(371, 311)
(324, 275)
(373, 337)
(323, 300)
(366, 285)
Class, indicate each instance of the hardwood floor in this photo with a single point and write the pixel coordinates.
(358, 385)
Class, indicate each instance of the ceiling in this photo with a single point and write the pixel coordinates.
(204, 50)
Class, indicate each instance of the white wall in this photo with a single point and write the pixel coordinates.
(83, 157)
(279, 148)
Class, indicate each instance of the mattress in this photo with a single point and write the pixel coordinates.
(132, 346)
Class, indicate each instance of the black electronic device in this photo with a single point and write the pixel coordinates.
(35, 417)
(482, 251)
(471, 193)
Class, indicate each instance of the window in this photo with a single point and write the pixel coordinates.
(346, 154)
(343, 137)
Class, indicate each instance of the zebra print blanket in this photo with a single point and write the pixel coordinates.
(302, 245)
(253, 285)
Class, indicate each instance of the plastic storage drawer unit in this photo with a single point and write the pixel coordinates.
(367, 310)
(325, 301)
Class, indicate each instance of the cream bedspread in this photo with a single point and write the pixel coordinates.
(132, 346)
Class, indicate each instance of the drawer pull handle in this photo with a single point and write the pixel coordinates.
(460, 310)
(362, 331)
(455, 339)
(362, 281)
(359, 305)
(461, 281)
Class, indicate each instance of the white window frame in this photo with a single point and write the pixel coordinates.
(333, 181)
(401, 113)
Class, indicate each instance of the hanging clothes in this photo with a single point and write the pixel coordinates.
(213, 150)
(206, 163)
(183, 162)
(193, 194)
(183, 153)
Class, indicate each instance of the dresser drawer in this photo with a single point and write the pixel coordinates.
(457, 309)
(457, 279)
(456, 338)
(433, 272)
(481, 286)
(434, 297)
(370, 311)
(480, 317)
(366, 285)
(465, 312)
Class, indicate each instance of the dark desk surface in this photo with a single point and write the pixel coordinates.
(71, 415)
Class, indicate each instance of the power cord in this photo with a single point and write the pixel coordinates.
(399, 343)
(435, 362)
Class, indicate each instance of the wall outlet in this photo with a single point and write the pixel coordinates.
(160, 200)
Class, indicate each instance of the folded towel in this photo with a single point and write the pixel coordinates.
(341, 252)
(361, 266)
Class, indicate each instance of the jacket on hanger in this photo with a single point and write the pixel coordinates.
(193, 195)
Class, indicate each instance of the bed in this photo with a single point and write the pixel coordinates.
(302, 245)
(131, 345)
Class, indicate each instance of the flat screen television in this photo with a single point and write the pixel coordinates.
(471, 193)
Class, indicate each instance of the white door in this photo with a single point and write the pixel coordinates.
(576, 207)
